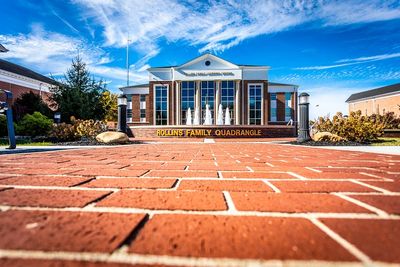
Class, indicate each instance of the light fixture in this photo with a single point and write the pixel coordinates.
(122, 100)
(304, 98)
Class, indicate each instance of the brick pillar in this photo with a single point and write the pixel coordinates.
(178, 103)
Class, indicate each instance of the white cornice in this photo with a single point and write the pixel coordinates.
(20, 80)
(375, 97)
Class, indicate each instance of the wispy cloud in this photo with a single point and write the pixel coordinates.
(52, 53)
(351, 61)
(219, 25)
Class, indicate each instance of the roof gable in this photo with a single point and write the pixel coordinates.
(208, 61)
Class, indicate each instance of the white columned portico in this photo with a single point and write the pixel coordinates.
(237, 103)
(178, 103)
(217, 99)
(198, 99)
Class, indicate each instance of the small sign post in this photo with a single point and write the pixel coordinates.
(4, 107)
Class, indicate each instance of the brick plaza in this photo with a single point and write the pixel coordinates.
(190, 203)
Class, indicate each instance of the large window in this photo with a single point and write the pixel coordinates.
(161, 104)
(228, 98)
(207, 97)
(129, 108)
(142, 108)
(187, 100)
(255, 104)
(288, 106)
(273, 107)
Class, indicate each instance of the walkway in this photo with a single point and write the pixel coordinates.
(199, 204)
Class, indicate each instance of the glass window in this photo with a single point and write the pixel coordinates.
(288, 106)
(142, 98)
(228, 98)
(273, 107)
(128, 98)
(161, 104)
(187, 100)
(129, 113)
(255, 104)
(207, 97)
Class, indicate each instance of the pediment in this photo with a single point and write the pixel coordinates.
(208, 62)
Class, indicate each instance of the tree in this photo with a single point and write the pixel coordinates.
(110, 105)
(80, 94)
(28, 103)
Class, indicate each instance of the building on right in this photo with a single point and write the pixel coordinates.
(376, 101)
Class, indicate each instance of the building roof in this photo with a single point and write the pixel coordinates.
(281, 84)
(135, 86)
(17, 69)
(375, 92)
(209, 55)
(3, 49)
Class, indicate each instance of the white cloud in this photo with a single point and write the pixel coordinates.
(52, 53)
(351, 61)
(219, 25)
(359, 11)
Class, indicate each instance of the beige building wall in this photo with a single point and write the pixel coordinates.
(378, 105)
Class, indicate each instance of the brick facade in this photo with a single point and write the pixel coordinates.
(379, 105)
(18, 90)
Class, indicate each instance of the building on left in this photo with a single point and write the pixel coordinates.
(20, 80)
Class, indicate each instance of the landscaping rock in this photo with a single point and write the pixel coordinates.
(112, 138)
(326, 136)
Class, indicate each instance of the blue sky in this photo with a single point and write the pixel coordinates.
(329, 48)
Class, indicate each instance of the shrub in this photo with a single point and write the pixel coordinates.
(63, 132)
(89, 128)
(79, 128)
(356, 127)
(28, 103)
(3, 125)
(34, 125)
(389, 120)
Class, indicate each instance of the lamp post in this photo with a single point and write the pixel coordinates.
(122, 102)
(304, 113)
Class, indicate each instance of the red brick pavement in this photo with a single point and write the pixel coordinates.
(231, 203)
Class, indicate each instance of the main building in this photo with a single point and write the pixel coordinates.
(201, 86)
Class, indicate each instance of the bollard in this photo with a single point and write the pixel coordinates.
(304, 131)
(122, 103)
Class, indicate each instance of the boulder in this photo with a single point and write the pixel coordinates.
(112, 138)
(326, 136)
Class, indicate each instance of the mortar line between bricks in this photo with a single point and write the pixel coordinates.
(297, 176)
(229, 202)
(312, 169)
(130, 258)
(273, 187)
(343, 242)
(371, 186)
(221, 213)
(380, 212)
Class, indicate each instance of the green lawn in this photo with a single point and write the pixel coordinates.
(387, 141)
(25, 143)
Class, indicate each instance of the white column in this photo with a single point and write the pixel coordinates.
(198, 99)
(237, 103)
(177, 103)
(217, 99)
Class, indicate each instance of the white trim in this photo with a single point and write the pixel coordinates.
(135, 91)
(154, 102)
(273, 89)
(9, 77)
(200, 58)
(262, 103)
